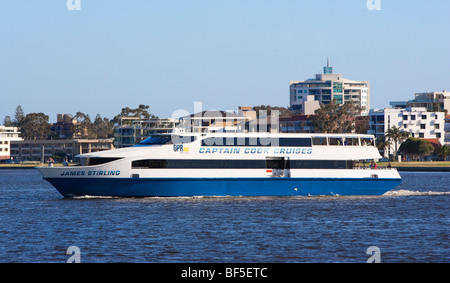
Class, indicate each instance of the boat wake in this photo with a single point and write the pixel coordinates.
(414, 193)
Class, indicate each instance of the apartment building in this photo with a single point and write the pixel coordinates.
(327, 87)
(7, 135)
(416, 121)
(132, 130)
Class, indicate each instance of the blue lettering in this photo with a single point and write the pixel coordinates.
(310, 151)
(201, 150)
(276, 151)
(247, 150)
(214, 150)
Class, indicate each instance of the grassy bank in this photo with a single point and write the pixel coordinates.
(417, 164)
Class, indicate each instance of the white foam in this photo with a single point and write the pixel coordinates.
(414, 193)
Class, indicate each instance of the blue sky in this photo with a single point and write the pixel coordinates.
(169, 54)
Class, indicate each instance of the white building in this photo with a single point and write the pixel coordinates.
(327, 87)
(7, 135)
(417, 121)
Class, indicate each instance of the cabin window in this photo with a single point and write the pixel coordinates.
(277, 163)
(91, 161)
(351, 141)
(335, 141)
(319, 140)
(367, 141)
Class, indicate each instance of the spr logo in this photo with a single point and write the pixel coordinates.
(180, 148)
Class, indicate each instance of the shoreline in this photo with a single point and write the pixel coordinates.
(422, 169)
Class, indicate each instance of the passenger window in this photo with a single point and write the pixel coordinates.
(335, 141)
(366, 141)
(351, 141)
(319, 141)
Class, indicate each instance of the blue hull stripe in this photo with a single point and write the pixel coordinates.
(148, 187)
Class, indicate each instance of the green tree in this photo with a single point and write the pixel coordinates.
(443, 151)
(336, 118)
(103, 128)
(382, 143)
(416, 148)
(35, 126)
(83, 128)
(362, 124)
(394, 135)
(283, 111)
(8, 122)
(19, 115)
(140, 112)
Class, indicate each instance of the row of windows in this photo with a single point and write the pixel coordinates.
(221, 141)
(413, 116)
(267, 141)
(339, 141)
(422, 135)
(423, 126)
(240, 164)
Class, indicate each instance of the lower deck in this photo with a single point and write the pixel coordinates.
(174, 187)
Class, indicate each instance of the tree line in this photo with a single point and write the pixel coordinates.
(36, 126)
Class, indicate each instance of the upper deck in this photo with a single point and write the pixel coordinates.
(249, 145)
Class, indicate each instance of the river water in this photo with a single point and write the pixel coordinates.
(407, 224)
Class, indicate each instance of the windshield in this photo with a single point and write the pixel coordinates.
(157, 140)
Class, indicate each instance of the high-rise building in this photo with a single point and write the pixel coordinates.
(327, 87)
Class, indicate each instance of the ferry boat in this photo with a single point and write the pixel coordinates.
(229, 164)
